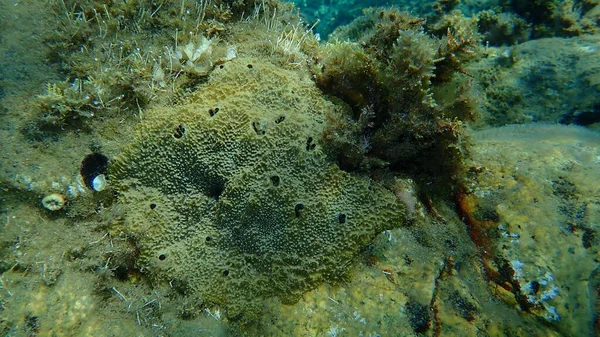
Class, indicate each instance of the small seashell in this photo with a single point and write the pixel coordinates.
(54, 201)
(99, 183)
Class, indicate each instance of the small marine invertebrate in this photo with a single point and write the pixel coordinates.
(54, 201)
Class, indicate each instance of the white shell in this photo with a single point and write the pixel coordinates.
(99, 183)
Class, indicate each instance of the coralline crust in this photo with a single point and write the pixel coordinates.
(231, 198)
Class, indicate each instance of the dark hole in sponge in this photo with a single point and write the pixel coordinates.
(179, 131)
(298, 209)
(275, 180)
(92, 166)
(341, 218)
(209, 238)
(213, 112)
(226, 272)
(309, 144)
(280, 119)
(216, 189)
(162, 257)
(152, 206)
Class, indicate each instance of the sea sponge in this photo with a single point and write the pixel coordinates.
(231, 198)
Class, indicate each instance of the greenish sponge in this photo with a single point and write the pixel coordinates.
(231, 198)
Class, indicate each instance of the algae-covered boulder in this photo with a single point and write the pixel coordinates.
(533, 208)
(408, 93)
(231, 199)
(551, 80)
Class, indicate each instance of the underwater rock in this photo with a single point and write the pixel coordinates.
(553, 80)
(533, 208)
(231, 198)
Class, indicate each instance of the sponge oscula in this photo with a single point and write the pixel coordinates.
(231, 198)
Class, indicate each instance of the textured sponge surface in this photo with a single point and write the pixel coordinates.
(231, 198)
